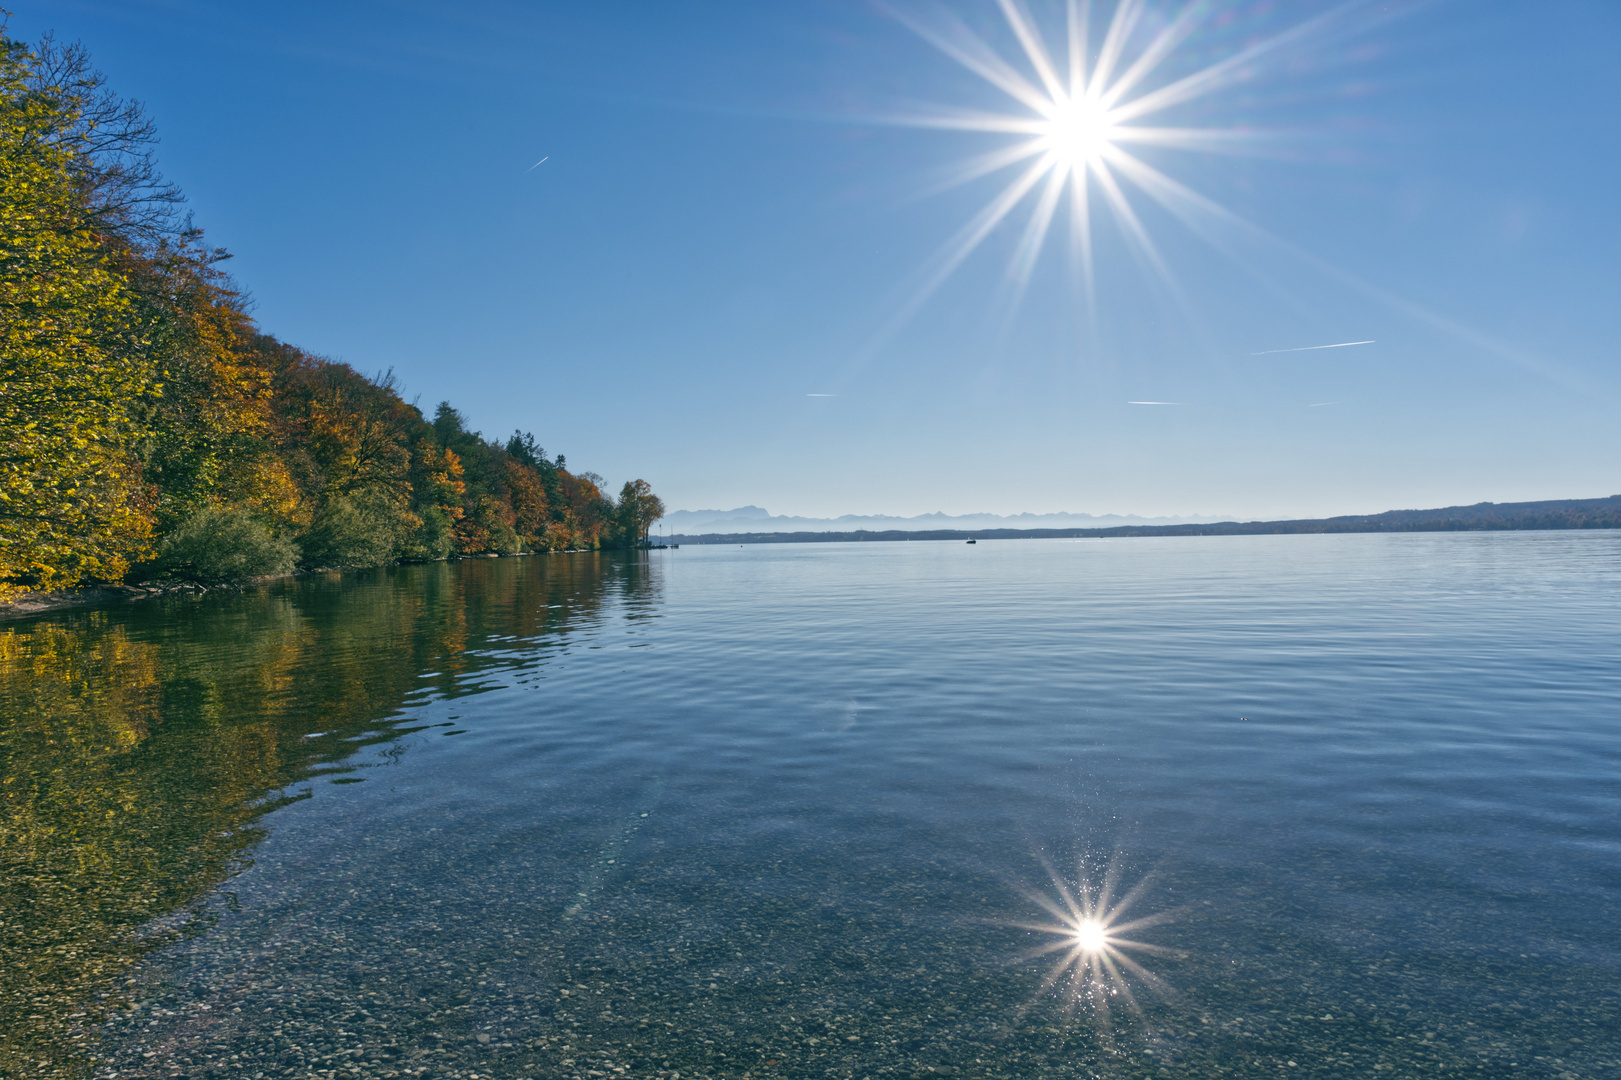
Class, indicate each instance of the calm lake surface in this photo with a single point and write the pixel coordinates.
(790, 810)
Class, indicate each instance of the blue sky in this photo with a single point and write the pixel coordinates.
(729, 219)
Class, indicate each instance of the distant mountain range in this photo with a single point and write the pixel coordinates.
(1549, 514)
(755, 519)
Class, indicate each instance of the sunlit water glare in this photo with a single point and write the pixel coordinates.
(793, 811)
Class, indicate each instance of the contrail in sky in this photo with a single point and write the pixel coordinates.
(1309, 348)
(821, 395)
(1320, 404)
(1156, 403)
(538, 164)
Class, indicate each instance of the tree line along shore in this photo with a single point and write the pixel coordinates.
(151, 432)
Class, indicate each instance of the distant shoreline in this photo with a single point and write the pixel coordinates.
(1480, 517)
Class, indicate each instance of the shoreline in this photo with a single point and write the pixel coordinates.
(1548, 514)
(43, 602)
(1127, 532)
(49, 601)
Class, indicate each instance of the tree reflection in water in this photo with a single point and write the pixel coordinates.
(144, 745)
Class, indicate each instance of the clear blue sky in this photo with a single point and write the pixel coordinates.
(727, 221)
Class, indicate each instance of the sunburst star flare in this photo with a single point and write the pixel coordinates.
(1071, 118)
(1091, 940)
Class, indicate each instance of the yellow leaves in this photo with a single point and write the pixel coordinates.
(135, 392)
(123, 369)
(453, 470)
(65, 389)
(268, 488)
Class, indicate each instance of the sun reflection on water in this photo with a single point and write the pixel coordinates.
(1096, 956)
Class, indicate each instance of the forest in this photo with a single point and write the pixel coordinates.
(151, 431)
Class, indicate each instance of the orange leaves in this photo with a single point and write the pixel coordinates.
(527, 495)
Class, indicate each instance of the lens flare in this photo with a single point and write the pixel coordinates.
(1076, 135)
(1073, 112)
(1091, 939)
(1091, 936)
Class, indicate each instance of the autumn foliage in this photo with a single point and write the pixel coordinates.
(149, 429)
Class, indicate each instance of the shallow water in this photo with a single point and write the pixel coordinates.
(779, 811)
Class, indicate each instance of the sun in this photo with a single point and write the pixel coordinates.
(1072, 112)
(1077, 134)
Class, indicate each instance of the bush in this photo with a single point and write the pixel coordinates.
(216, 545)
(433, 537)
(559, 537)
(487, 528)
(369, 529)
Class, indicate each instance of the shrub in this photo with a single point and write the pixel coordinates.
(433, 537)
(218, 544)
(487, 528)
(559, 537)
(369, 529)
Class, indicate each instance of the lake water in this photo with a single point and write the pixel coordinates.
(793, 811)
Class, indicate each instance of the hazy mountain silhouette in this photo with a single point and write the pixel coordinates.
(1547, 514)
(757, 519)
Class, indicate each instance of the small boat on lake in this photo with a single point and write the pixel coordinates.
(973, 541)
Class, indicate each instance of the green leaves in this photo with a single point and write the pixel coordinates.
(639, 508)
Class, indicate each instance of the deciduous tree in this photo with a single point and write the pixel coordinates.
(639, 508)
(73, 504)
